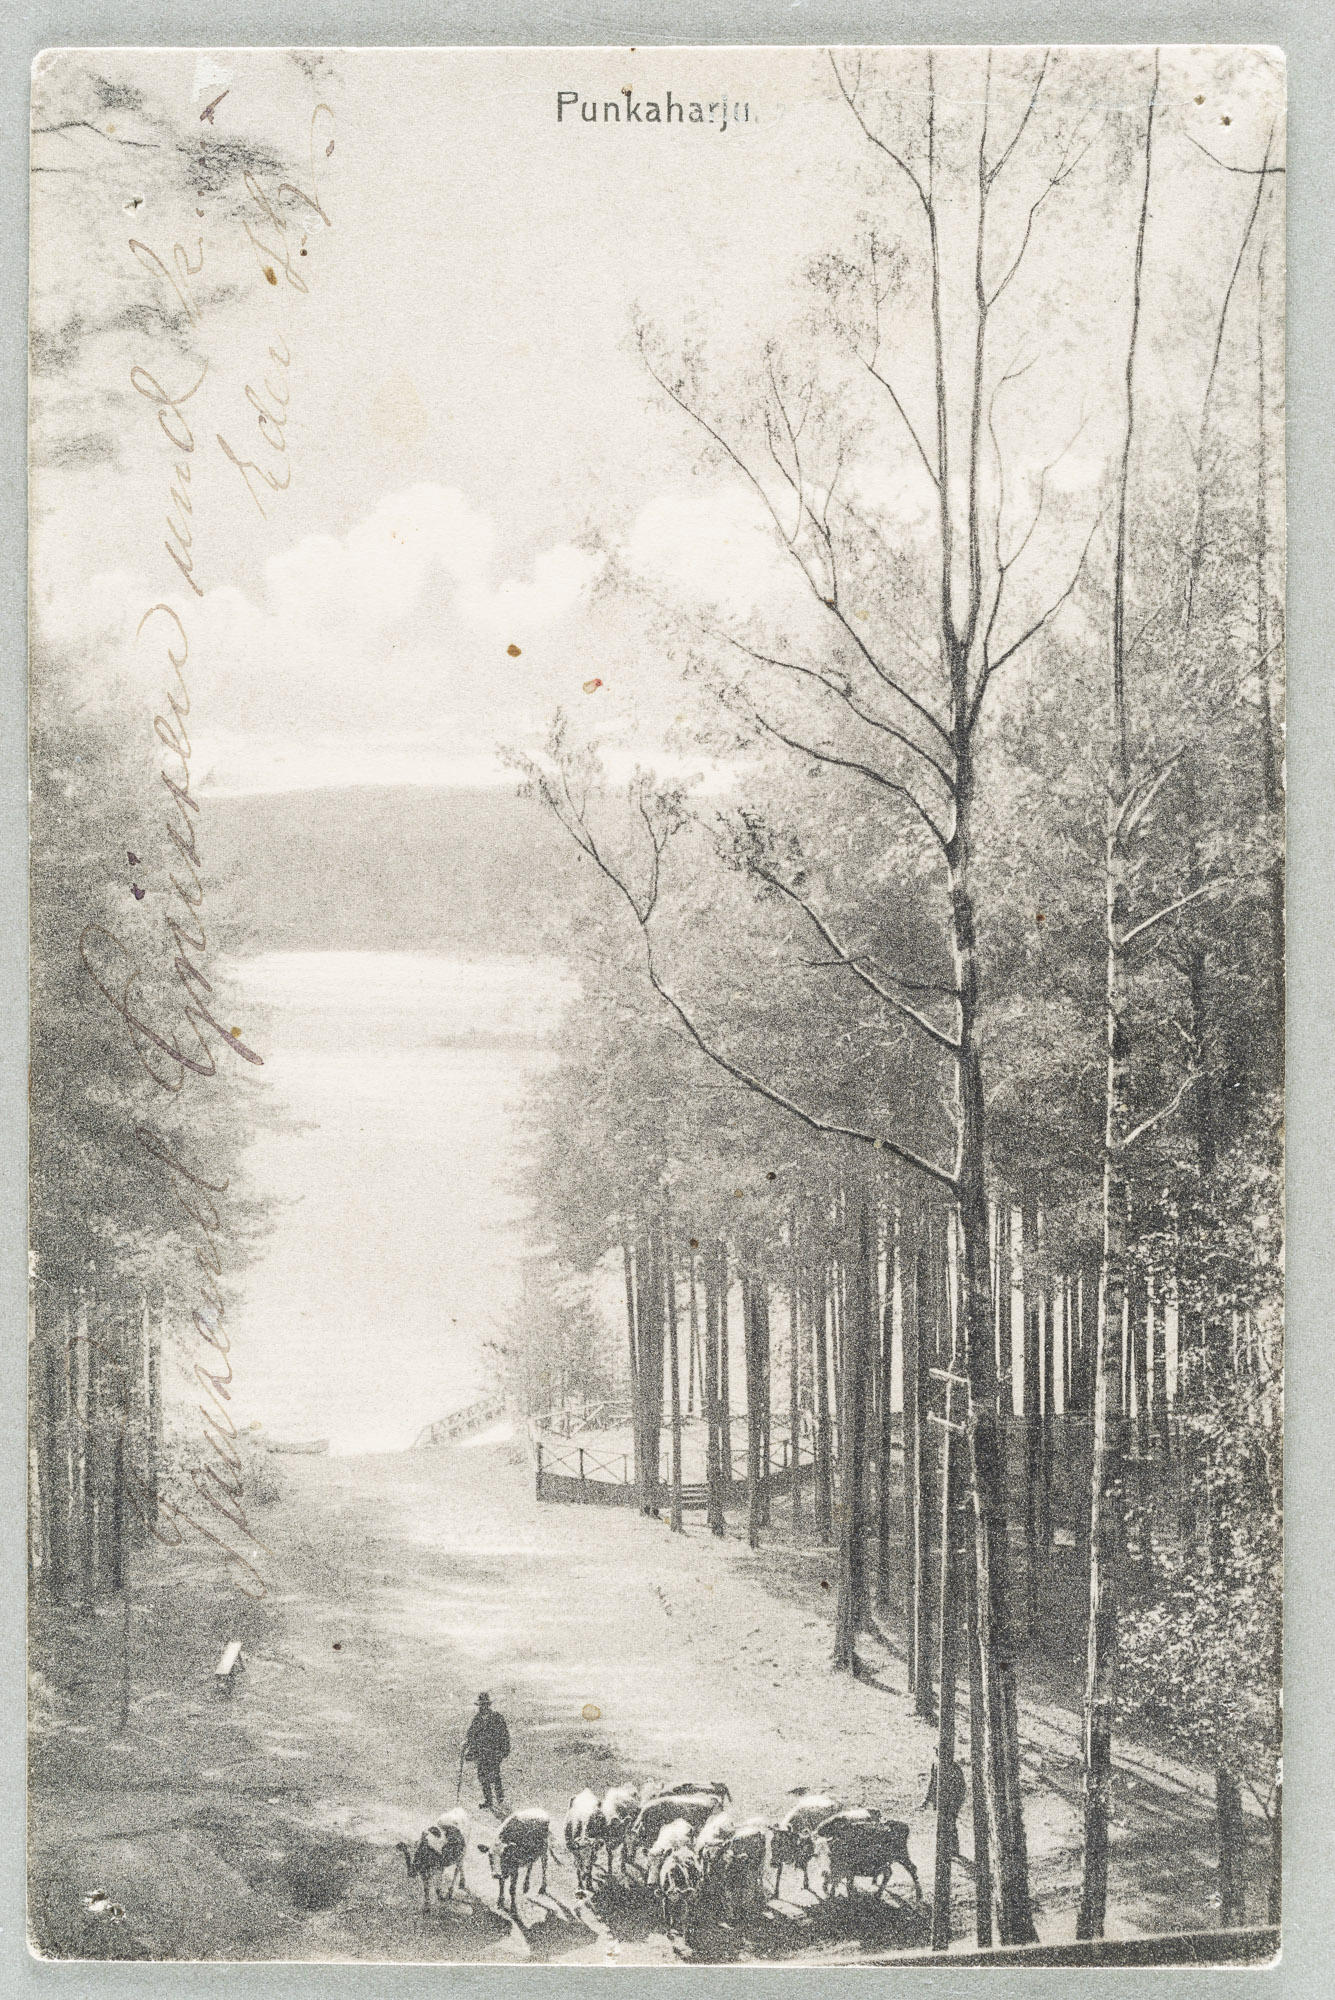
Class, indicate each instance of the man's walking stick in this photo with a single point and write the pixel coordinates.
(460, 1785)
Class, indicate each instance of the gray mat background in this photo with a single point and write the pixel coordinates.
(1305, 29)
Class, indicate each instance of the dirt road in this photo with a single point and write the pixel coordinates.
(401, 1586)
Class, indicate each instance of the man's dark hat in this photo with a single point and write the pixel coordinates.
(484, 1698)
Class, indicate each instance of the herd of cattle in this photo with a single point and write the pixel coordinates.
(684, 1846)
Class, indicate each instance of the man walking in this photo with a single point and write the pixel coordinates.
(486, 1745)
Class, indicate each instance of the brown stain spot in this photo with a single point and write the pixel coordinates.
(823, 1584)
(329, 149)
(269, 274)
(338, 1645)
(1039, 918)
(695, 1243)
(771, 1175)
(591, 1711)
(236, 1031)
(513, 651)
(1200, 100)
(592, 687)
(1226, 121)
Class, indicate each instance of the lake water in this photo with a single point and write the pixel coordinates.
(389, 1142)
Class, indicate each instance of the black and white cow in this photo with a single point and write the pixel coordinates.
(586, 1832)
(679, 1890)
(620, 1808)
(741, 1870)
(522, 1841)
(676, 1834)
(694, 1807)
(692, 1788)
(710, 1845)
(793, 1841)
(860, 1842)
(442, 1846)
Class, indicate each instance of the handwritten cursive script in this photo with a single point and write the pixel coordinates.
(179, 1038)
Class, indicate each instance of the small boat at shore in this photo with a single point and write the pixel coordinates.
(311, 1447)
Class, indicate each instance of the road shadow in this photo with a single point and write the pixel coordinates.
(886, 1923)
(548, 1926)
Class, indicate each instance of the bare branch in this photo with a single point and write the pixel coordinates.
(1170, 909)
(844, 693)
(867, 132)
(852, 764)
(575, 824)
(993, 171)
(1198, 533)
(940, 1175)
(832, 604)
(1064, 171)
(854, 962)
(876, 376)
(1141, 797)
(813, 583)
(1032, 631)
(1165, 1111)
(1227, 165)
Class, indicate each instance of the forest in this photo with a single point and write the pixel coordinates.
(927, 1076)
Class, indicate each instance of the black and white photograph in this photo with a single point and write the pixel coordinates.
(657, 882)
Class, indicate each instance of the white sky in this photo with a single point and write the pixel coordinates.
(467, 413)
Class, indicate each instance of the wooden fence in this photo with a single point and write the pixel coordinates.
(582, 1475)
(592, 1475)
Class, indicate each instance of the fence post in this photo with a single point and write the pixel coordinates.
(538, 1492)
(581, 1461)
(625, 1475)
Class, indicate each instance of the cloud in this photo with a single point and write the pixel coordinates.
(379, 571)
(401, 625)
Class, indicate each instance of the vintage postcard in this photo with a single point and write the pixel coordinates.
(657, 790)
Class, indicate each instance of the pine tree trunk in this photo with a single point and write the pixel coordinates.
(982, 1865)
(750, 1348)
(1230, 1831)
(1138, 1312)
(794, 1376)
(852, 1604)
(1272, 786)
(55, 1468)
(674, 1375)
(649, 1314)
(948, 1626)
(724, 1368)
(764, 1412)
(90, 1580)
(713, 1417)
(1047, 1339)
(885, 1439)
(693, 1370)
(1105, 1500)
(1033, 1441)
(910, 1314)
(1275, 1891)
(920, 1635)
(633, 1357)
(1104, 1488)
(153, 1443)
(824, 1455)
